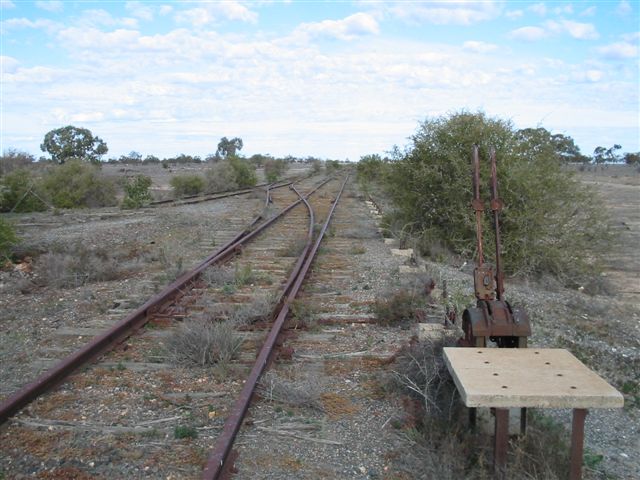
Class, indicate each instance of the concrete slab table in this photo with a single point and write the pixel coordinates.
(504, 378)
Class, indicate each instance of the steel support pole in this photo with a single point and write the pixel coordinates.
(501, 443)
(577, 443)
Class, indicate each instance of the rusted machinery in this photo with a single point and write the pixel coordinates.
(493, 318)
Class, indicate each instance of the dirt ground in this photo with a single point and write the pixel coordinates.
(154, 244)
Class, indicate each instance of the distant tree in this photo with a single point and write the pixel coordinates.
(259, 160)
(607, 155)
(151, 159)
(539, 141)
(13, 159)
(228, 148)
(73, 142)
(632, 158)
(274, 169)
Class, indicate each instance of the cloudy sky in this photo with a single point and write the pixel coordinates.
(329, 79)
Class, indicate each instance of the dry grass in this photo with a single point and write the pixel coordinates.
(439, 443)
(301, 393)
(77, 265)
(203, 342)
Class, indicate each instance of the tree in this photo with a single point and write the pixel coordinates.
(548, 224)
(606, 155)
(13, 159)
(228, 148)
(632, 158)
(539, 141)
(8, 238)
(72, 142)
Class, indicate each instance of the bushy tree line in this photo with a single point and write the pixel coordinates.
(74, 184)
(551, 223)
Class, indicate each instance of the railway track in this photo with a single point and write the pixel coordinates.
(93, 419)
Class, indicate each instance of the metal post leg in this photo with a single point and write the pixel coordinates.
(473, 415)
(523, 421)
(501, 443)
(577, 443)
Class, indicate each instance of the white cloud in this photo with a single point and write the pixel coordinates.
(166, 9)
(630, 37)
(8, 64)
(538, 8)
(139, 10)
(214, 12)
(450, 12)
(51, 6)
(619, 50)
(7, 4)
(624, 8)
(589, 12)
(479, 47)
(565, 9)
(514, 14)
(529, 34)
(348, 28)
(40, 23)
(577, 30)
(99, 17)
(99, 40)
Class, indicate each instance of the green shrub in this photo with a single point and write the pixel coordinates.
(274, 169)
(221, 176)
(187, 185)
(137, 192)
(8, 238)
(245, 173)
(76, 184)
(19, 192)
(185, 431)
(549, 223)
(398, 309)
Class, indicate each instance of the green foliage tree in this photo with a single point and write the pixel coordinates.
(245, 173)
(229, 147)
(137, 192)
(539, 141)
(8, 238)
(332, 166)
(187, 185)
(77, 184)
(549, 222)
(19, 192)
(370, 168)
(71, 142)
(606, 155)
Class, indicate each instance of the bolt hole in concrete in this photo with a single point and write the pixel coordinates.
(558, 374)
(504, 386)
(487, 362)
(547, 363)
(537, 353)
(495, 374)
(479, 351)
(574, 388)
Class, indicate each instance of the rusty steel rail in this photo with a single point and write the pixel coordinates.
(190, 199)
(119, 332)
(221, 454)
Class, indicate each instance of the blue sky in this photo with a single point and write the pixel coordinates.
(329, 79)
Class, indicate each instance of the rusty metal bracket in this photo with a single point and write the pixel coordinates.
(493, 318)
